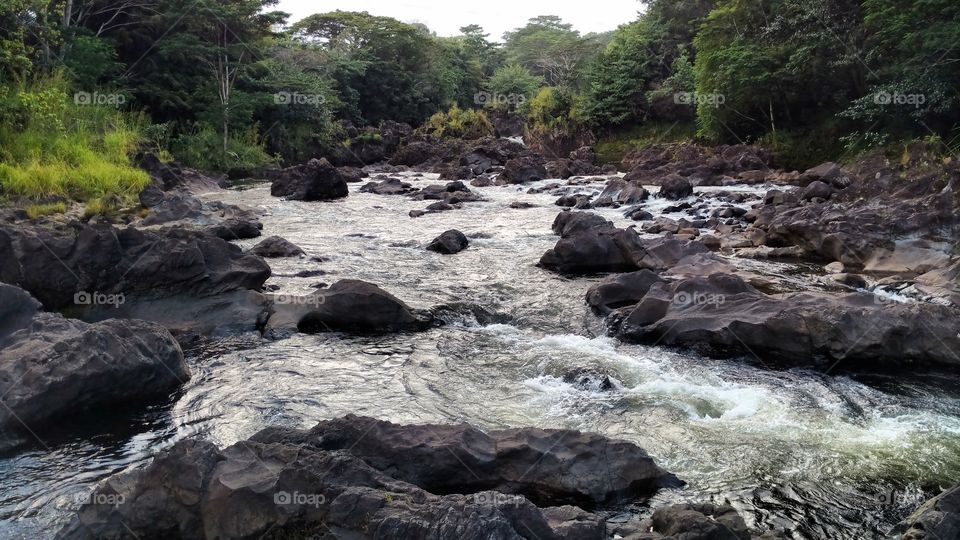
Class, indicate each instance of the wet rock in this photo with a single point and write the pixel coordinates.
(638, 214)
(619, 192)
(347, 305)
(520, 205)
(449, 243)
(368, 478)
(579, 202)
(52, 367)
(482, 181)
(569, 223)
(589, 379)
(352, 174)
(317, 180)
(55, 264)
(936, 519)
(698, 521)
(675, 187)
(390, 186)
(721, 315)
(827, 173)
(620, 291)
(276, 247)
(524, 169)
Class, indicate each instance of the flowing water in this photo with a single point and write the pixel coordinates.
(828, 456)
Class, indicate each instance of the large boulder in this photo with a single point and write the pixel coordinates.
(524, 169)
(722, 315)
(390, 186)
(675, 187)
(366, 478)
(621, 290)
(590, 244)
(57, 264)
(317, 180)
(347, 305)
(449, 243)
(619, 192)
(52, 367)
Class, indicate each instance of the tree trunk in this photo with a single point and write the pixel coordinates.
(67, 13)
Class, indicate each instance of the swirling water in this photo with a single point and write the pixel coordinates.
(824, 455)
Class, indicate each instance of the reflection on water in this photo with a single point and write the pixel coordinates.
(827, 456)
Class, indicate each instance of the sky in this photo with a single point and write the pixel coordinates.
(495, 16)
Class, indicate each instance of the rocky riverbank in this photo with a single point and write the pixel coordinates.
(681, 268)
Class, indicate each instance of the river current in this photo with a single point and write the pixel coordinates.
(825, 455)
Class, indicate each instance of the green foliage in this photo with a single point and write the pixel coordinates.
(90, 61)
(201, 148)
(554, 110)
(613, 146)
(58, 148)
(551, 49)
(511, 87)
(459, 123)
(35, 211)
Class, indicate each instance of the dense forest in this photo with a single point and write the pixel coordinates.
(224, 84)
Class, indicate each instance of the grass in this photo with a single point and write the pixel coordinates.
(613, 147)
(51, 147)
(35, 211)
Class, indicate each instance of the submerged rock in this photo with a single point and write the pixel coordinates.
(276, 247)
(936, 519)
(52, 367)
(368, 478)
(449, 243)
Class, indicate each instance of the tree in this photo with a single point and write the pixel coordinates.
(549, 48)
(512, 86)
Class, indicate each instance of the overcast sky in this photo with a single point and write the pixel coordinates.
(496, 16)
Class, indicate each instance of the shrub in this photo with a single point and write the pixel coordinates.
(203, 149)
(459, 123)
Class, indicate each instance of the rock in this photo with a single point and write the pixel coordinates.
(489, 153)
(619, 192)
(276, 247)
(521, 205)
(699, 521)
(482, 181)
(580, 202)
(352, 174)
(366, 478)
(524, 169)
(390, 186)
(620, 291)
(349, 306)
(675, 187)
(835, 267)
(589, 380)
(449, 243)
(584, 153)
(828, 173)
(638, 214)
(317, 180)
(590, 247)
(56, 264)
(936, 519)
(569, 223)
(52, 367)
(720, 315)
(816, 190)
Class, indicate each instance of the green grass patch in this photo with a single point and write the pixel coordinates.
(48, 209)
(612, 148)
(52, 147)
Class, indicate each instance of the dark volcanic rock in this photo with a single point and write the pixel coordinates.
(936, 519)
(816, 190)
(699, 521)
(620, 192)
(53, 367)
(390, 186)
(722, 315)
(56, 264)
(524, 169)
(366, 478)
(317, 180)
(621, 290)
(675, 187)
(348, 305)
(276, 247)
(449, 243)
